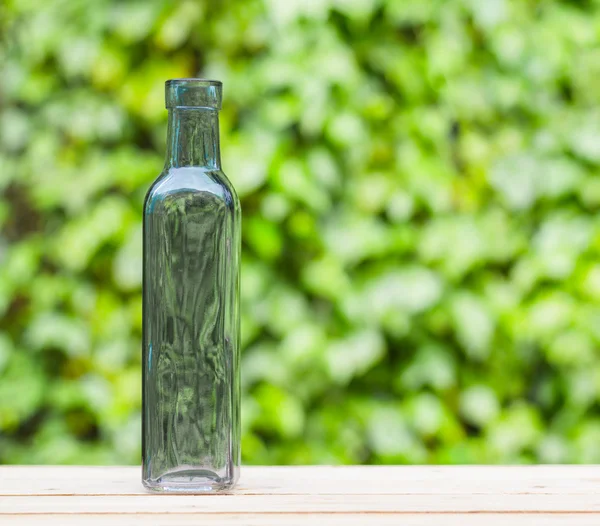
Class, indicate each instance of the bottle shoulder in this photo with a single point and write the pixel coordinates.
(192, 180)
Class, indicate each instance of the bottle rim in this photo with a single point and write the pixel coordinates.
(191, 81)
(193, 93)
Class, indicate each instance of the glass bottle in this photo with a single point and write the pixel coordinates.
(191, 376)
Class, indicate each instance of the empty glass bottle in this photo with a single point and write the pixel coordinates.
(191, 376)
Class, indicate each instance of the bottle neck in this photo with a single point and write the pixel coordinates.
(193, 138)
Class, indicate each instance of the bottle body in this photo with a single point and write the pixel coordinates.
(191, 384)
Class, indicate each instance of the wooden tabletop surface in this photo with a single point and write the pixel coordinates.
(318, 496)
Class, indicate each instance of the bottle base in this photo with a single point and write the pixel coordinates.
(189, 481)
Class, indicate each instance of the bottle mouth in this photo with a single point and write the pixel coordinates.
(193, 93)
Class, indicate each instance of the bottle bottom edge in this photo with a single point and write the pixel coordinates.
(189, 481)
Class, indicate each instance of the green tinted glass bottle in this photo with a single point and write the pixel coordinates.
(191, 376)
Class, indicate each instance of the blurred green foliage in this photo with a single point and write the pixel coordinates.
(419, 180)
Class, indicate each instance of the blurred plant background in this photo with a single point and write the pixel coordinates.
(420, 187)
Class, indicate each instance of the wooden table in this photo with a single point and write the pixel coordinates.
(318, 496)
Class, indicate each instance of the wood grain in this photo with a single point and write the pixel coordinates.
(340, 519)
(348, 495)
